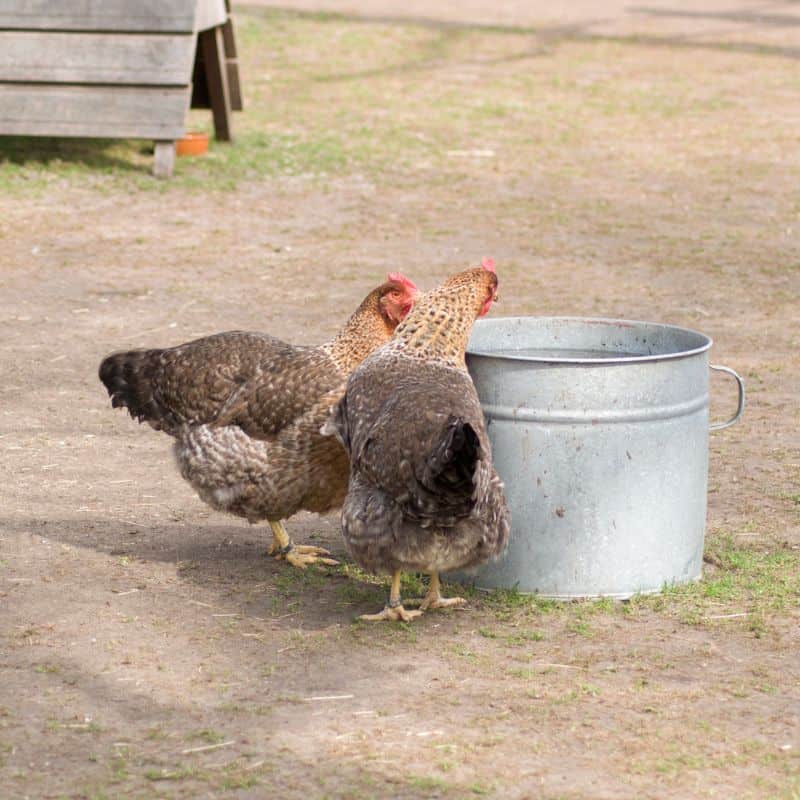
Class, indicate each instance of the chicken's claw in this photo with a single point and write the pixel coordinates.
(307, 548)
(433, 597)
(302, 555)
(392, 614)
(283, 548)
(441, 602)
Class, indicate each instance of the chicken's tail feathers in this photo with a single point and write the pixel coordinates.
(451, 465)
(128, 378)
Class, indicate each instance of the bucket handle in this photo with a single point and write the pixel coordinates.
(718, 426)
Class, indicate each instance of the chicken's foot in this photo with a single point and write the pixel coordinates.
(283, 548)
(433, 597)
(394, 611)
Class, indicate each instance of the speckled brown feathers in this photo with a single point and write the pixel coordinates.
(250, 380)
(245, 409)
(423, 493)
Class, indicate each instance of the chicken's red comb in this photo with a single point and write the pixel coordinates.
(488, 263)
(398, 277)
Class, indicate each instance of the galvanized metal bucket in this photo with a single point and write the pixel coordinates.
(599, 429)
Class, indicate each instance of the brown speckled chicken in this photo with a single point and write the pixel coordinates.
(245, 410)
(423, 493)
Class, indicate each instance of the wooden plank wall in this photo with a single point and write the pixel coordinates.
(107, 68)
(56, 57)
(137, 112)
(156, 16)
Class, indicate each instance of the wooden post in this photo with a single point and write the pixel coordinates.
(164, 161)
(231, 57)
(232, 63)
(213, 50)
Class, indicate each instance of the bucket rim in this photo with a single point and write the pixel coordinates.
(618, 322)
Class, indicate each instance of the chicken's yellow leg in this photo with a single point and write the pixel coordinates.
(434, 599)
(297, 555)
(394, 611)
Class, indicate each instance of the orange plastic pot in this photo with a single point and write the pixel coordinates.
(192, 144)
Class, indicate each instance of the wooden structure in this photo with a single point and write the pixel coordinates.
(125, 69)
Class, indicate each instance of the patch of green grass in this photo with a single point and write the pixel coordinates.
(501, 600)
(743, 585)
(523, 673)
(239, 780)
(757, 624)
(412, 585)
(426, 783)
(354, 573)
(723, 588)
(581, 627)
(674, 765)
(118, 767)
(605, 605)
(516, 638)
(90, 727)
(437, 787)
(294, 582)
(700, 751)
(464, 652)
(353, 594)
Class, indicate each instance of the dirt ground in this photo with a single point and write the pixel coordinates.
(149, 648)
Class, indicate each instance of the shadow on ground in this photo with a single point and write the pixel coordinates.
(94, 153)
(228, 560)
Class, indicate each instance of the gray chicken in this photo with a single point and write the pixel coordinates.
(245, 410)
(423, 493)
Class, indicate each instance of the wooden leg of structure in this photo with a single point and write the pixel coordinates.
(232, 63)
(164, 161)
(231, 57)
(216, 68)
